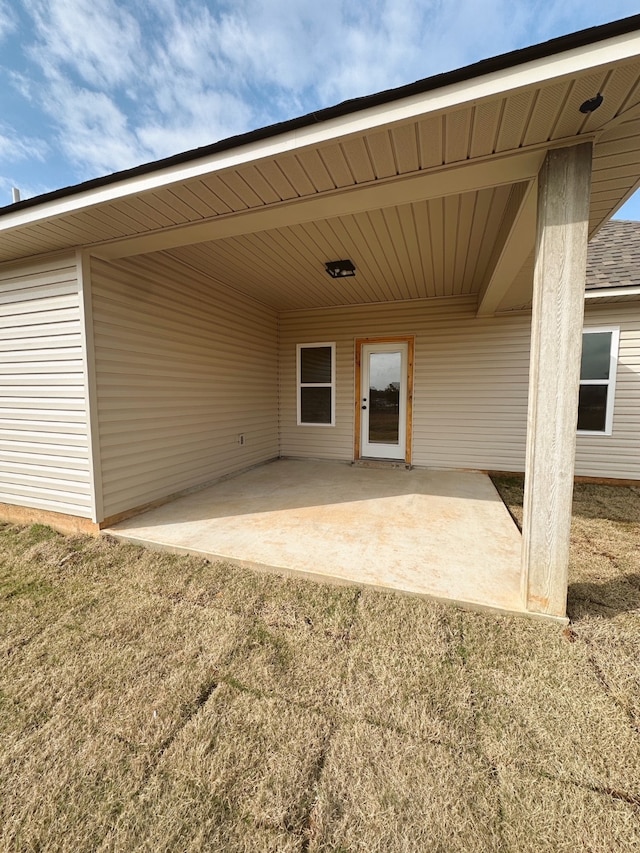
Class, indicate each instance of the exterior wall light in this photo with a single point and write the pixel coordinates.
(592, 104)
(340, 269)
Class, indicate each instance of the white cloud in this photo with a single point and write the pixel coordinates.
(7, 19)
(92, 129)
(119, 97)
(340, 50)
(99, 41)
(14, 148)
(198, 119)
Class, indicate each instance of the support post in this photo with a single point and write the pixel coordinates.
(564, 185)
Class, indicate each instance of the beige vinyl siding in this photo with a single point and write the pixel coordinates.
(617, 455)
(470, 381)
(470, 387)
(183, 367)
(44, 446)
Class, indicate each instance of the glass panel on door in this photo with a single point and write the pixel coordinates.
(385, 379)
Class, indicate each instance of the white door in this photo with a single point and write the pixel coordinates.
(383, 401)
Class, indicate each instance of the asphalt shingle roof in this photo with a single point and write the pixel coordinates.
(613, 259)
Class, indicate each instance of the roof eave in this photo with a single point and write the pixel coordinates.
(563, 55)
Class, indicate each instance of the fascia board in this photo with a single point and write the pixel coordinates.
(608, 292)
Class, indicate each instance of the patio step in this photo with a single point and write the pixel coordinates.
(380, 463)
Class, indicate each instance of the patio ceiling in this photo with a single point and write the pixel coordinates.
(430, 195)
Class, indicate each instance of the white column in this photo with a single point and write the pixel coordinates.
(564, 185)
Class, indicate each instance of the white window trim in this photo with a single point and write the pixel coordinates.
(610, 383)
(300, 384)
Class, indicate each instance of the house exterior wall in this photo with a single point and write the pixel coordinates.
(617, 455)
(470, 385)
(183, 367)
(44, 434)
(470, 394)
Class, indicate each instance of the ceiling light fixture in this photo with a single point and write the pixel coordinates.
(340, 269)
(592, 104)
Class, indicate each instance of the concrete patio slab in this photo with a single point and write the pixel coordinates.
(443, 534)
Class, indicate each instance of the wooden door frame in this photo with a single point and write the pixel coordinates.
(409, 340)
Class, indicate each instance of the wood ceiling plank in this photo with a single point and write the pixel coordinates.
(188, 198)
(64, 232)
(617, 166)
(450, 245)
(621, 145)
(607, 197)
(357, 156)
(222, 191)
(397, 249)
(431, 142)
(241, 188)
(546, 108)
(88, 229)
(622, 127)
(407, 224)
(371, 226)
(617, 90)
(423, 232)
(145, 214)
(436, 231)
(515, 118)
(252, 176)
(381, 153)
(174, 197)
(405, 144)
(457, 135)
(213, 202)
(619, 185)
(481, 211)
(493, 222)
(296, 175)
(121, 217)
(318, 174)
(484, 131)
(337, 166)
(465, 222)
(275, 177)
(170, 207)
(19, 245)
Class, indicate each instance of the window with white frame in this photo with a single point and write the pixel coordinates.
(316, 381)
(597, 380)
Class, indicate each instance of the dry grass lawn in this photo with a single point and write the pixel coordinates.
(158, 703)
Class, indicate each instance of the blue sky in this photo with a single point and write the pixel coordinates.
(88, 87)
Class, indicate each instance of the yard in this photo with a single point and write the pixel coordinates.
(160, 703)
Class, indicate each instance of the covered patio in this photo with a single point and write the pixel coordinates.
(443, 534)
(418, 252)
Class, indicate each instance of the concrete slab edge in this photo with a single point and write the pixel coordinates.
(318, 577)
